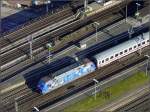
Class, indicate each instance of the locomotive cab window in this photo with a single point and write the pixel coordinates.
(102, 61)
(139, 44)
(107, 59)
(111, 57)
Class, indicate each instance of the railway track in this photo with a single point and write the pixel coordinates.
(141, 104)
(28, 99)
(9, 96)
(33, 77)
(14, 94)
(23, 49)
(20, 42)
(26, 102)
(37, 44)
(28, 30)
(8, 57)
(47, 98)
(75, 39)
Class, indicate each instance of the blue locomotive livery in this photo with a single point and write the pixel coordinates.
(65, 76)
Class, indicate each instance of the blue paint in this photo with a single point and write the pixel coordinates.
(66, 77)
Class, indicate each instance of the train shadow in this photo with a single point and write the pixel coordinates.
(27, 15)
(32, 78)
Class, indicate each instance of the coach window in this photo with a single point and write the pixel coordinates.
(121, 53)
(107, 59)
(143, 42)
(125, 50)
(102, 61)
(116, 55)
(134, 47)
(111, 57)
(139, 44)
(99, 62)
(130, 48)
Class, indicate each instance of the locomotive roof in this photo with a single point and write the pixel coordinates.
(121, 47)
(46, 78)
(66, 69)
(63, 70)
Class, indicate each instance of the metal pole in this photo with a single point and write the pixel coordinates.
(147, 64)
(49, 51)
(96, 24)
(47, 6)
(137, 10)
(140, 49)
(31, 52)
(47, 3)
(0, 18)
(52, 8)
(85, 5)
(147, 68)
(137, 4)
(95, 90)
(96, 82)
(16, 106)
(126, 13)
(49, 56)
(96, 34)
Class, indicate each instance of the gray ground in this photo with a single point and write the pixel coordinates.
(6, 11)
(141, 105)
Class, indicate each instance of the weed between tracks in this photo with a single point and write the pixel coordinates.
(111, 93)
